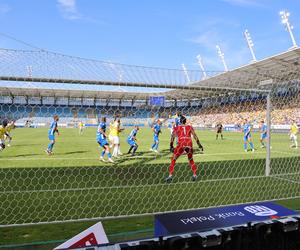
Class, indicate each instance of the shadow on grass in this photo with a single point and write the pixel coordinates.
(74, 152)
(24, 155)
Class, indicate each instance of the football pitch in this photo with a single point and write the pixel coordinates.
(73, 184)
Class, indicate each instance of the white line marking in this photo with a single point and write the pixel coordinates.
(287, 153)
(285, 179)
(153, 156)
(147, 186)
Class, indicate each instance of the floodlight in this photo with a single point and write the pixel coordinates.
(285, 20)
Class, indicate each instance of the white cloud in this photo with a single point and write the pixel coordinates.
(235, 56)
(68, 9)
(207, 39)
(244, 3)
(4, 8)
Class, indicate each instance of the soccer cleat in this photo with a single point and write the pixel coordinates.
(262, 146)
(252, 149)
(169, 179)
(120, 153)
(194, 178)
(48, 152)
(102, 159)
(151, 149)
(155, 151)
(8, 145)
(110, 160)
(246, 150)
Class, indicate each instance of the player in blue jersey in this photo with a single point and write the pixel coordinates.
(156, 131)
(102, 141)
(263, 134)
(177, 119)
(51, 134)
(247, 135)
(131, 140)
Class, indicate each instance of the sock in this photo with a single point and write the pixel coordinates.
(135, 148)
(130, 149)
(171, 168)
(192, 164)
(103, 153)
(251, 145)
(115, 151)
(156, 146)
(119, 150)
(50, 146)
(245, 146)
(153, 145)
(109, 154)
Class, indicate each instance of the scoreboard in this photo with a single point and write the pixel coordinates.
(157, 100)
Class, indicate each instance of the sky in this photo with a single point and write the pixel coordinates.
(151, 32)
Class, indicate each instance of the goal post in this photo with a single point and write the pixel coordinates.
(73, 184)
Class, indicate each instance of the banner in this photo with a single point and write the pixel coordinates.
(212, 218)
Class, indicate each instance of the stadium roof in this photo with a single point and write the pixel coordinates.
(258, 75)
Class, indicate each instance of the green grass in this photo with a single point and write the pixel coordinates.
(72, 184)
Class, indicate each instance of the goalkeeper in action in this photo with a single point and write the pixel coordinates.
(184, 133)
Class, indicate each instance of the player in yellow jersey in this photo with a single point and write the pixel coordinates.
(81, 127)
(7, 135)
(2, 134)
(293, 134)
(114, 131)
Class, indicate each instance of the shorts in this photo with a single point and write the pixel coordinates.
(263, 136)
(131, 142)
(2, 144)
(293, 137)
(7, 136)
(51, 137)
(183, 149)
(219, 131)
(247, 137)
(102, 143)
(114, 139)
(155, 138)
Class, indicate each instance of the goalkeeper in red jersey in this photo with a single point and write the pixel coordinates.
(184, 133)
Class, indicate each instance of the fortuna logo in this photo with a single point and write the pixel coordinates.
(260, 210)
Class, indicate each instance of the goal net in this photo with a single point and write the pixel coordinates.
(245, 120)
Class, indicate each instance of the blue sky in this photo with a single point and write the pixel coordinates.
(152, 33)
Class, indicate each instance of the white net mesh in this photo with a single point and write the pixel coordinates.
(72, 183)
